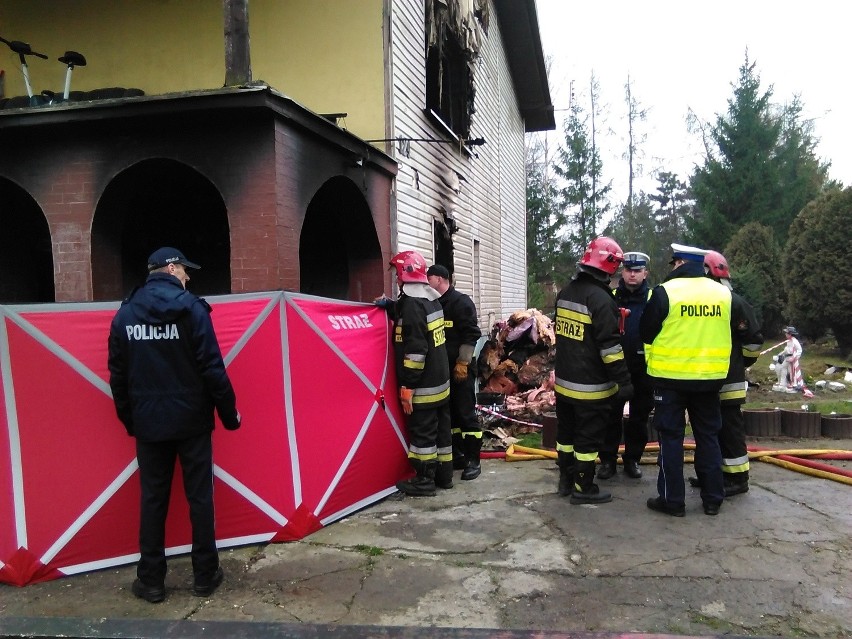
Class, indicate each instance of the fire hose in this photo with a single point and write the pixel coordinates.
(789, 459)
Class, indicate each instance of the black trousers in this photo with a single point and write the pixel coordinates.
(156, 470)
(634, 428)
(429, 433)
(463, 406)
(581, 427)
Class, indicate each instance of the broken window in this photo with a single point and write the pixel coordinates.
(452, 48)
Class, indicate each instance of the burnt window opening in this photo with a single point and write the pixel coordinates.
(452, 48)
(444, 247)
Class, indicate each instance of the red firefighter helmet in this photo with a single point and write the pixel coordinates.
(717, 265)
(410, 267)
(604, 254)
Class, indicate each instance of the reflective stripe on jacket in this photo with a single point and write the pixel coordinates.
(420, 351)
(694, 342)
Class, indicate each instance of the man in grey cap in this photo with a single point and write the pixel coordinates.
(167, 375)
(687, 323)
(631, 295)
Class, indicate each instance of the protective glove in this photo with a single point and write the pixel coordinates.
(406, 398)
(383, 302)
(460, 371)
(625, 392)
(238, 424)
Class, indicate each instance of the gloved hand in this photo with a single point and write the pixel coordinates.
(239, 423)
(460, 371)
(383, 302)
(406, 398)
(625, 392)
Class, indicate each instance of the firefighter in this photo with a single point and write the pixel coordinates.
(687, 323)
(591, 376)
(461, 328)
(423, 375)
(747, 341)
(631, 295)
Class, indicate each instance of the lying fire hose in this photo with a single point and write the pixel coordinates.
(789, 459)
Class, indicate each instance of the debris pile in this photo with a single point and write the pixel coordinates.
(517, 363)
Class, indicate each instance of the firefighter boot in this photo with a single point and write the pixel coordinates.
(736, 484)
(423, 483)
(586, 491)
(472, 446)
(565, 461)
(459, 461)
(444, 475)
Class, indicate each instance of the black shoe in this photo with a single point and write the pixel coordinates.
(151, 594)
(207, 589)
(736, 489)
(631, 469)
(607, 469)
(660, 505)
(711, 508)
(471, 472)
(695, 482)
(446, 485)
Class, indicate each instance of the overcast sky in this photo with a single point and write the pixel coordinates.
(685, 54)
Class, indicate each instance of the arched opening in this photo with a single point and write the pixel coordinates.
(156, 203)
(339, 251)
(26, 254)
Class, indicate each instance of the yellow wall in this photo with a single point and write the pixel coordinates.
(325, 54)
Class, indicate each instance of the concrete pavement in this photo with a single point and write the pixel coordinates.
(506, 552)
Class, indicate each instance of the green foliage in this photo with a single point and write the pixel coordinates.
(759, 166)
(752, 254)
(819, 298)
(579, 166)
(673, 206)
(545, 221)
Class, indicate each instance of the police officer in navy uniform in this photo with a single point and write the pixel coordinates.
(631, 294)
(590, 372)
(423, 375)
(687, 323)
(461, 327)
(167, 376)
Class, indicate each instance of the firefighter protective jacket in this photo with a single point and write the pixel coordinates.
(589, 357)
(687, 323)
(745, 349)
(420, 351)
(166, 369)
(461, 325)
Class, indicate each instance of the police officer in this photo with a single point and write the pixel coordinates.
(687, 323)
(747, 341)
(591, 375)
(631, 295)
(461, 328)
(167, 375)
(423, 375)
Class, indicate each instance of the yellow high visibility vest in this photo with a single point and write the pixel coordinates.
(695, 340)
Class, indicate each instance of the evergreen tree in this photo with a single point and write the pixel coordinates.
(818, 298)
(672, 208)
(752, 255)
(759, 166)
(545, 227)
(579, 167)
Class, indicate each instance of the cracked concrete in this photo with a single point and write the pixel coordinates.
(506, 552)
